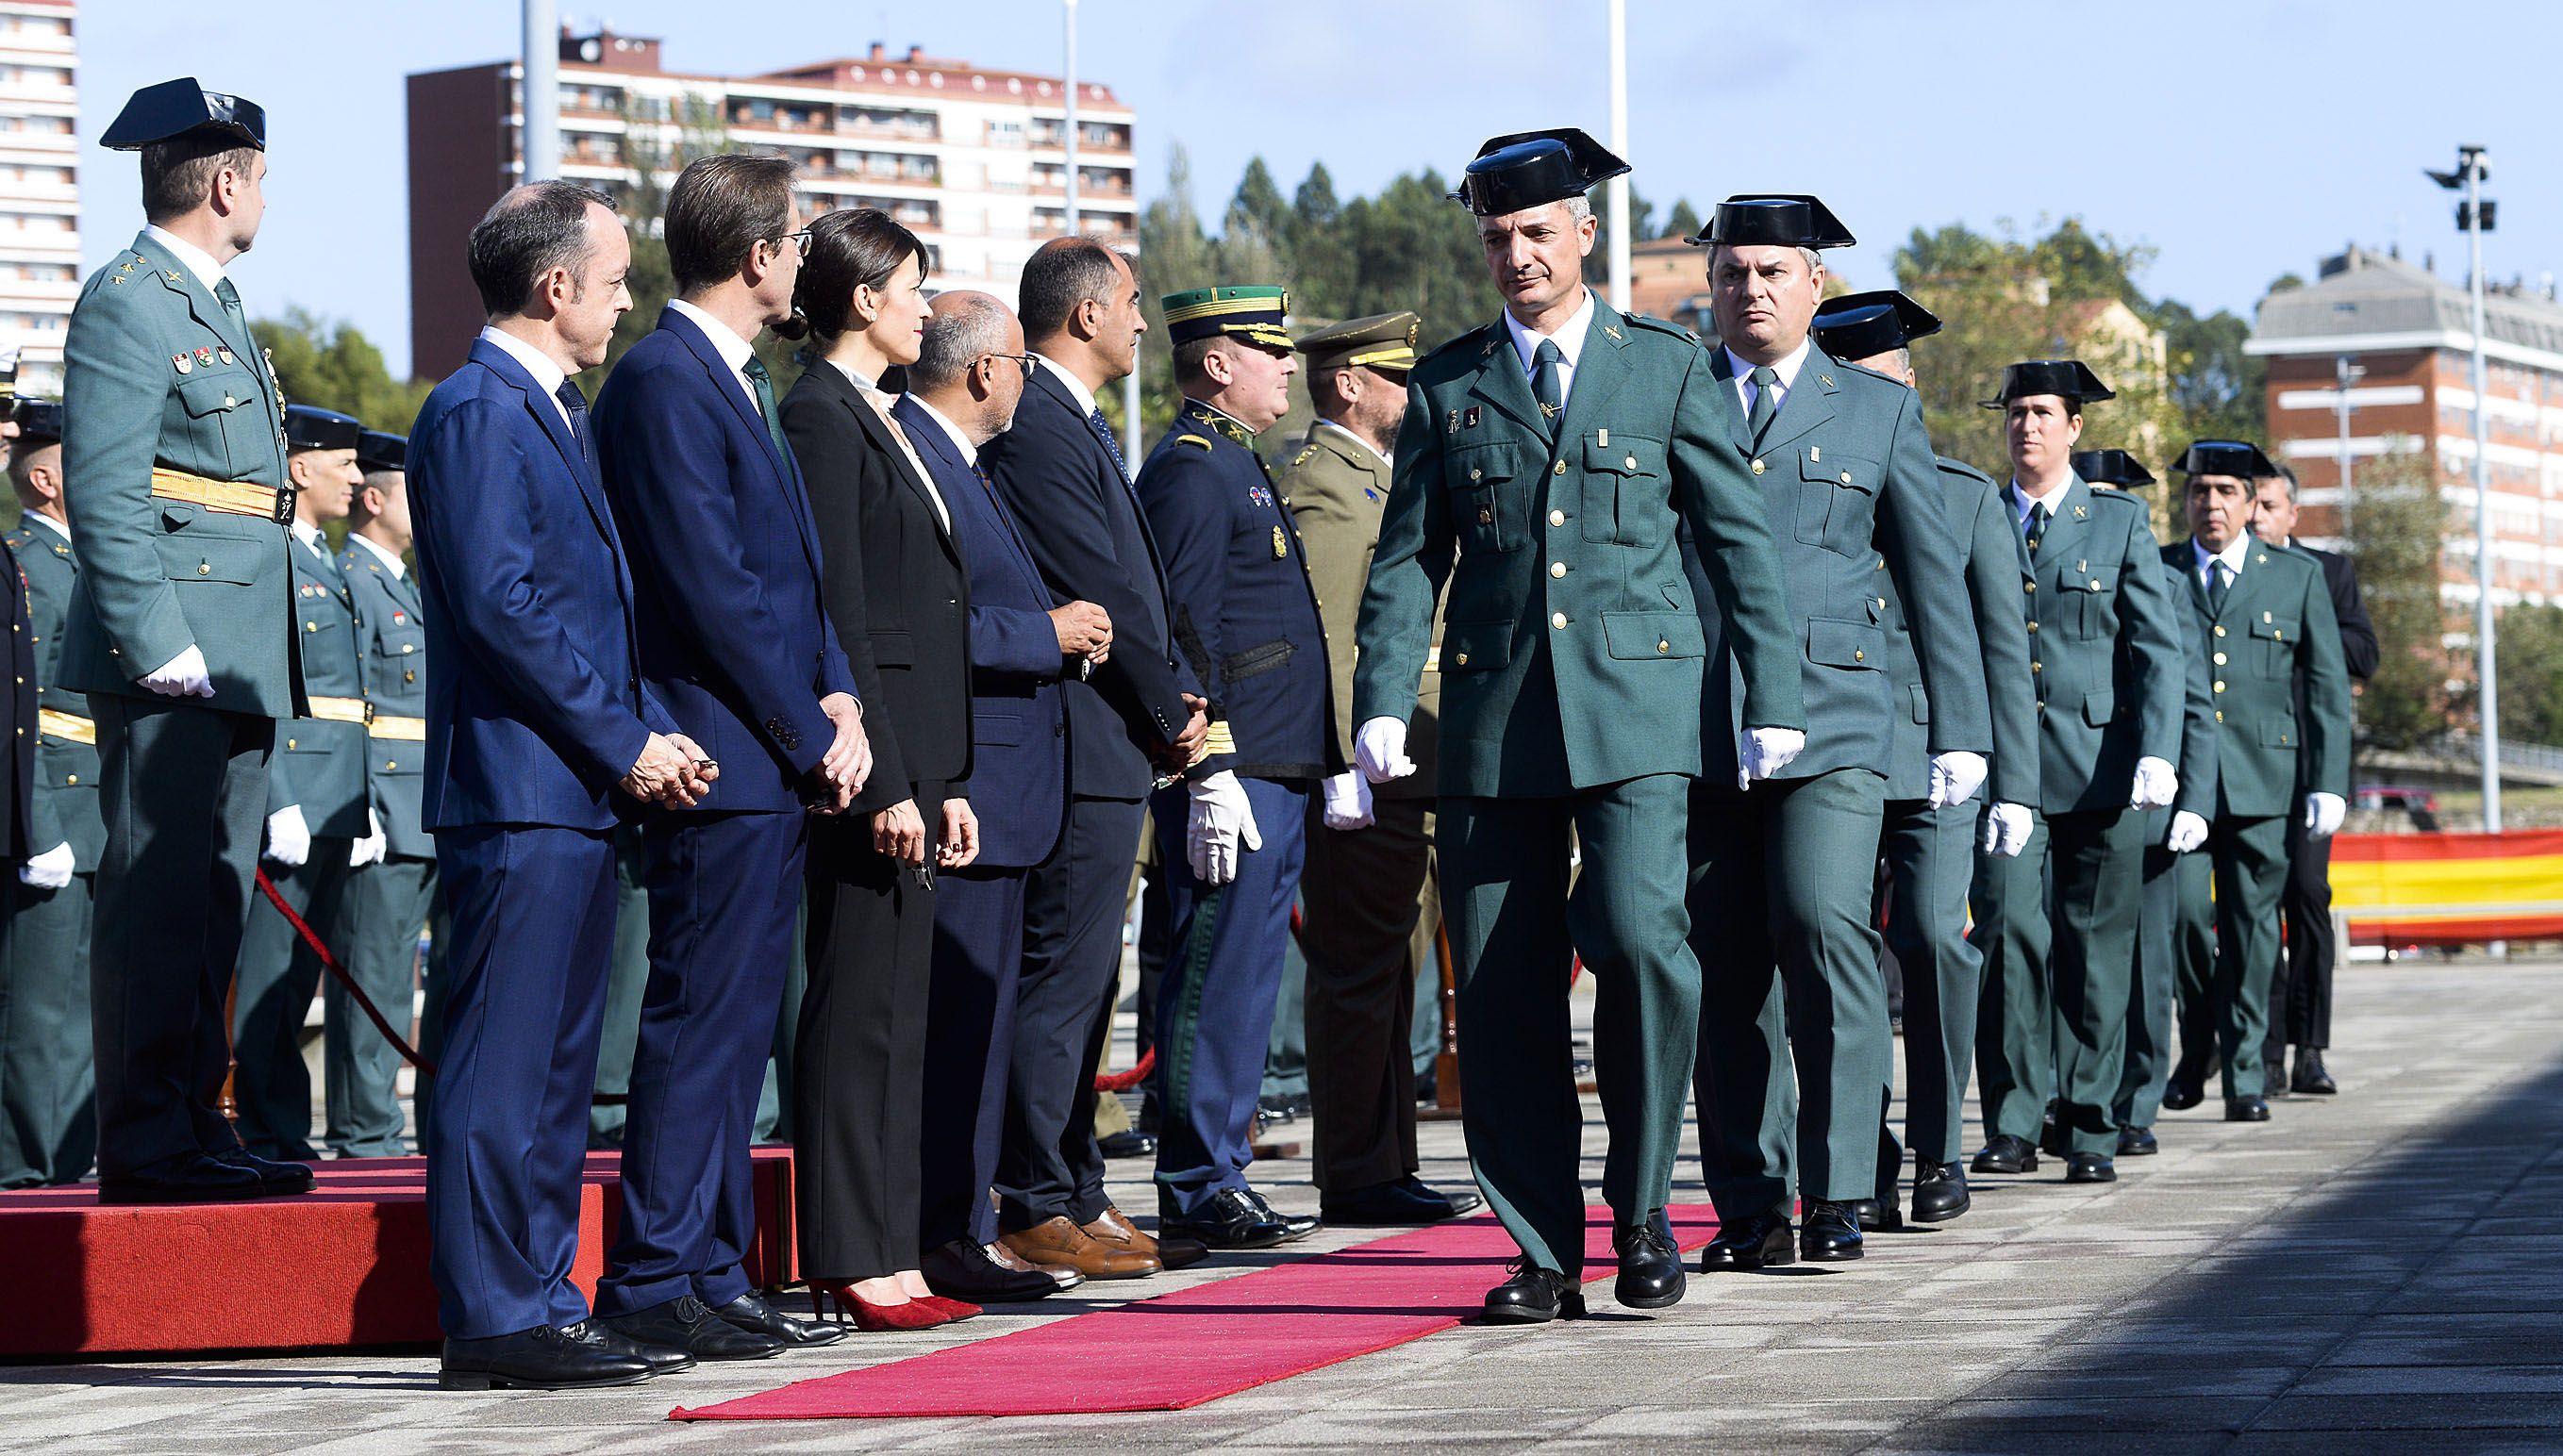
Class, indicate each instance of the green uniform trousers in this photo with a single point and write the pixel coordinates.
(1515, 931)
(380, 913)
(626, 977)
(2164, 939)
(1358, 892)
(1930, 856)
(2057, 929)
(1781, 886)
(278, 977)
(48, 1102)
(2225, 1000)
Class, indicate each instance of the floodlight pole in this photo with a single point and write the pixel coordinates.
(2471, 161)
(1616, 198)
(540, 102)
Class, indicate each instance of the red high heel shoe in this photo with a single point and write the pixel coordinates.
(853, 1309)
(954, 1311)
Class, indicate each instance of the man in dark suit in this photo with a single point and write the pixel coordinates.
(962, 393)
(539, 735)
(2300, 989)
(736, 643)
(1060, 475)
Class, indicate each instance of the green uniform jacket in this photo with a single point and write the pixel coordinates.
(319, 763)
(1336, 487)
(1572, 643)
(2197, 761)
(1994, 575)
(2277, 620)
(155, 372)
(1854, 502)
(66, 808)
(2103, 647)
(391, 646)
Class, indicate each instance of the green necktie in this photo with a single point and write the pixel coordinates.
(2218, 583)
(1766, 400)
(2039, 515)
(763, 384)
(1547, 384)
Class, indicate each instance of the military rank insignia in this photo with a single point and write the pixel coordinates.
(185, 364)
(1260, 495)
(1281, 548)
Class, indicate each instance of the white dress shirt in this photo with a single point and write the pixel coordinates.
(2022, 500)
(549, 376)
(1076, 389)
(198, 261)
(1787, 367)
(879, 402)
(734, 351)
(960, 442)
(382, 553)
(50, 524)
(2233, 554)
(1386, 458)
(1569, 339)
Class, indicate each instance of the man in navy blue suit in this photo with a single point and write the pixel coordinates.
(735, 640)
(539, 734)
(961, 393)
(1060, 475)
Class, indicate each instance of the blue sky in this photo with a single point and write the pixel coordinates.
(2243, 139)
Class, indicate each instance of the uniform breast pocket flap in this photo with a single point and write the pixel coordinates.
(210, 559)
(1836, 500)
(2099, 710)
(1485, 505)
(400, 641)
(1638, 635)
(1625, 499)
(217, 393)
(1833, 643)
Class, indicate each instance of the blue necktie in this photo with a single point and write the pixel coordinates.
(1103, 431)
(576, 404)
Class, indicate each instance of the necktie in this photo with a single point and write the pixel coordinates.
(576, 404)
(229, 298)
(990, 487)
(1548, 383)
(1111, 446)
(2219, 581)
(1766, 400)
(2039, 517)
(762, 384)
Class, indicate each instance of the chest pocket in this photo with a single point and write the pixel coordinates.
(2276, 639)
(1837, 501)
(2091, 597)
(401, 651)
(223, 409)
(1626, 490)
(1489, 496)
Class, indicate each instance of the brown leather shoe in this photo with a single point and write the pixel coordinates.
(1114, 1227)
(1006, 1258)
(1058, 1242)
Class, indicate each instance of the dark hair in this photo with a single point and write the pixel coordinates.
(722, 207)
(528, 232)
(2286, 476)
(1061, 274)
(851, 247)
(1190, 356)
(178, 175)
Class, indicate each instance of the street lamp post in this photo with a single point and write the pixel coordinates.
(540, 105)
(1617, 195)
(2344, 374)
(2474, 216)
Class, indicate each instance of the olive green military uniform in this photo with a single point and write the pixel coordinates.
(48, 1104)
(2273, 622)
(320, 767)
(1783, 876)
(160, 370)
(2165, 938)
(1572, 651)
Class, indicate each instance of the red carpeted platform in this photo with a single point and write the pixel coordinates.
(1180, 1349)
(344, 1264)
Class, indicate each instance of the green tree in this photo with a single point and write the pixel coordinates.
(2531, 672)
(2220, 392)
(2395, 541)
(1322, 265)
(701, 130)
(1681, 222)
(1258, 207)
(331, 364)
(1642, 227)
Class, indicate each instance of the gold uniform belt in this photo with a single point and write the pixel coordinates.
(55, 723)
(342, 709)
(406, 730)
(228, 497)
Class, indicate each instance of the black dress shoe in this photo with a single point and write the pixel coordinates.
(1128, 1142)
(280, 1179)
(2051, 1134)
(2137, 1142)
(1295, 1227)
(2309, 1075)
(1399, 1201)
(963, 1270)
(2184, 1091)
(685, 1323)
(1282, 1109)
(663, 1360)
(1758, 1242)
(1234, 1219)
(192, 1179)
(2246, 1108)
(753, 1313)
(1651, 1266)
(2273, 1076)
(1534, 1295)
(1879, 1215)
(1939, 1192)
(539, 1359)
(2006, 1154)
(1830, 1234)
(2090, 1167)
(1462, 1201)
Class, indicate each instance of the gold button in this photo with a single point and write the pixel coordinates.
(1557, 619)
(1882, 563)
(2220, 659)
(2033, 626)
(1558, 568)
(1486, 517)
(1757, 467)
(2276, 635)
(2220, 715)
(409, 677)
(228, 401)
(2220, 685)
(1557, 518)
(2036, 667)
(1664, 644)
(1631, 462)
(391, 763)
(311, 627)
(2041, 705)
(1561, 468)
(1461, 660)
(72, 779)
(2283, 740)
(1846, 477)
(409, 646)
(1857, 656)
(204, 568)
(2033, 543)
(1473, 475)
(2220, 631)
(289, 742)
(2095, 584)
(2029, 586)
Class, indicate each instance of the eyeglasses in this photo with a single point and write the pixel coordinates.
(800, 242)
(1022, 361)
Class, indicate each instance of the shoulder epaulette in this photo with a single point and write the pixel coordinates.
(1961, 468)
(1872, 373)
(1663, 325)
(1472, 339)
(2124, 498)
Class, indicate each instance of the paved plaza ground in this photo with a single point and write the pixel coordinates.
(2376, 1272)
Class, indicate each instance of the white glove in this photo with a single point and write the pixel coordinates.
(1766, 751)
(2007, 827)
(289, 839)
(50, 870)
(2188, 831)
(185, 675)
(1379, 749)
(1348, 801)
(2156, 784)
(1955, 777)
(372, 849)
(1222, 820)
(2323, 814)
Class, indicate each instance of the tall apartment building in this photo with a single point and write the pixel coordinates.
(39, 186)
(972, 160)
(2411, 333)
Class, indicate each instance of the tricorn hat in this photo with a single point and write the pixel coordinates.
(377, 451)
(1532, 169)
(2070, 378)
(1858, 325)
(1773, 220)
(308, 426)
(177, 108)
(40, 422)
(2237, 458)
(2111, 467)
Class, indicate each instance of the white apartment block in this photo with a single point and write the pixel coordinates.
(39, 186)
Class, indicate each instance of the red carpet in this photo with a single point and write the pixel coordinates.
(1180, 1349)
(342, 1265)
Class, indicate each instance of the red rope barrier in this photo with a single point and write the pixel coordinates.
(329, 961)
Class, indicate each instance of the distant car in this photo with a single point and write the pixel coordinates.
(2395, 796)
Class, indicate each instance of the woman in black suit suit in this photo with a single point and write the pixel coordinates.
(900, 598)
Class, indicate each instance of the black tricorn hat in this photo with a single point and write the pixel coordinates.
(40, 422)
(2237, 458)
(1858, 325)
(2070, 378)
(1773, 220)
(308, 426)
(376, 450)
(177, 108)
(1532, 169)
(2111, 467)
